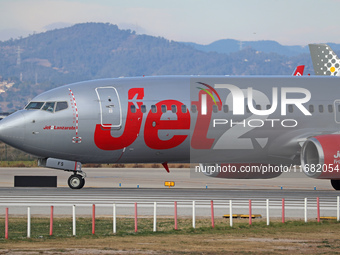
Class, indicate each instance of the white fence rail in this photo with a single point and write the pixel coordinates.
(275, 208)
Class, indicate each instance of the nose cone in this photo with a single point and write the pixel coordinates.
(12, 130)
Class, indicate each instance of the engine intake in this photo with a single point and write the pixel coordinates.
(320, 157)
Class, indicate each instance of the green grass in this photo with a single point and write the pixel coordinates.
(289, 238)
(62, 227)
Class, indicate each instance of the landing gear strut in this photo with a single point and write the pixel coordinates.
(76, 181)
(335, 184)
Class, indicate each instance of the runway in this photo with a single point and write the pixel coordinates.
(155, 178)
(102, 188)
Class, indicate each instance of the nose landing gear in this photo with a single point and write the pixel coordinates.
(77, 180)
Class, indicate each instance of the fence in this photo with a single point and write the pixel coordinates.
(306, 208)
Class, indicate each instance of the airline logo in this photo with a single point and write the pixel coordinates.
(331, 63)
(154, 123)
(325, 61)
(208, 128)
(299, 70)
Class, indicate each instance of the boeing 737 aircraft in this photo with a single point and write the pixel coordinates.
(233, 127)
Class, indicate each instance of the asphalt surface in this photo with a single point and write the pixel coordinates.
(105, 187)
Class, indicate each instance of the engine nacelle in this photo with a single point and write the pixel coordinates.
(320, 157)
(241, 170)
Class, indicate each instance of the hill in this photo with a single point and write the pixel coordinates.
(228, 46)
(86, 51)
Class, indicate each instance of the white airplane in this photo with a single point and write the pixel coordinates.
(234, 127)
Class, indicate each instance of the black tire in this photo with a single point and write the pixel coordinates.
(335, 184)
(76, 181)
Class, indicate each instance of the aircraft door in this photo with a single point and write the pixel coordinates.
(337, 110)
(110, 107)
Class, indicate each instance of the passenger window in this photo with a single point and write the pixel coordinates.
(225, 108)
(153, 108)
(37, 105)
(258, 107)
(143, 108)
(193, 108)
(215, 109)
(268, 106)
(174, 108)
(163, 108)
(320, 108)
(133, 108)
(311, 108)
(49, 107)
(61, 106)
(184, 108)
(290, 108)
(330, 108)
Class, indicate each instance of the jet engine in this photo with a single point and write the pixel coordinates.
(320, 157)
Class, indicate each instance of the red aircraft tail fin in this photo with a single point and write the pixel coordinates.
(298, 70)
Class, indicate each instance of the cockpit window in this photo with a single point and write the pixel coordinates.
(61, 106)
(49, 106)
(34, 105)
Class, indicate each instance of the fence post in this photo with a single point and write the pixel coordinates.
(212, 214)
(136, 227)
(28, 222)
(318, 208)
(114, 219)
(51, 220)
(154, 216)
(250, 213)
(267, 202)
(6, 224)
(74, 219)
(231, 212)
(175, 205)
(193, 214)
(93, 219)
(283, 210)
(306, 219)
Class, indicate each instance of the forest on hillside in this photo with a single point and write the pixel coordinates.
(100, 50)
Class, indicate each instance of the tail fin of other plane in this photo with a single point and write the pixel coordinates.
(299, 70)
(325, 61)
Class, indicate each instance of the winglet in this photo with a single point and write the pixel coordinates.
(165, 165)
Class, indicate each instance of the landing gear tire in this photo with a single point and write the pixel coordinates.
(76, 181)
(335, 184)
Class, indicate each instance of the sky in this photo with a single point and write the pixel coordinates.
(289, 22)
